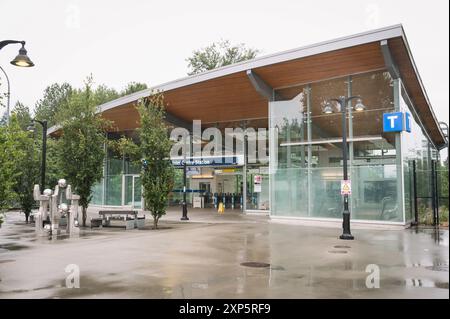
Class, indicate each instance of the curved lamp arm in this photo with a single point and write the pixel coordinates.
(6, 42)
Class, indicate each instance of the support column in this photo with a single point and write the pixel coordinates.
(309, 137)
(399, 155)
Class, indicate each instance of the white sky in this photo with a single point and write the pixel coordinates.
(148, 41)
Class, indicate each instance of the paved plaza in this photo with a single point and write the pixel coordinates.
(202, 258)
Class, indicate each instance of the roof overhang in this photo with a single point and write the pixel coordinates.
(227, 94)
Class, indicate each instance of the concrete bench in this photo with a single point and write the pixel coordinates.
(129, 217)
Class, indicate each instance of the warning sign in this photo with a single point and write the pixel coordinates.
(346, 187)
(257, 179)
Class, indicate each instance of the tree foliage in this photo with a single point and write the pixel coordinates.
(29, 164)
(219, 54)
(55, 99)
(158, 174)
(133, 87)
(11, 153)
(80, 149)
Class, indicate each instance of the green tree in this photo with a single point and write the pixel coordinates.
(80, 149)
(103, 94)
(219, 54)
(55, 99)
(28, 165)
(133, 87)
(157, 174)
(10, 154)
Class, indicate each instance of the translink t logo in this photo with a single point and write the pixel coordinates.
(396, 122)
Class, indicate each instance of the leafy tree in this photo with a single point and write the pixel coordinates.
(133, 87)
(103, 94)
(23, 115)
(29, 164)
(157, 175)
(56, 97)
(10, 155)
(219, 54)
(80, 149)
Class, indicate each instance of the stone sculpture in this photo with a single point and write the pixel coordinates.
(55, 205)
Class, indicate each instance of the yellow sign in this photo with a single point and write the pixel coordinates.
(221, 208)
(346, 187)
(228, 170)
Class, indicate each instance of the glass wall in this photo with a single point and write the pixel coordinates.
(418, 151)
(306, 150)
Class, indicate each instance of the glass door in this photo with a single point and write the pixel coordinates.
(133, 191)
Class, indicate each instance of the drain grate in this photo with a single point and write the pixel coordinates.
(341, 246)
(337, 251)
(255, 264)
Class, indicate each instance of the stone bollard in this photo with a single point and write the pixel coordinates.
(55, 214)
(44, 201)
(72, 218)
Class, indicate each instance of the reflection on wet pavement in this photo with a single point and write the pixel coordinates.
(216, 260)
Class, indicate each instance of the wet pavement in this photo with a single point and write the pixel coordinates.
(223, 256)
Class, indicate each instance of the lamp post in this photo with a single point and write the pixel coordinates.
(328, 109)
(21, 60)
(8, 96)
(44, 147)
(184, 204)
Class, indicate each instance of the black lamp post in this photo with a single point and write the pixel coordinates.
(44, 147)
(184, 204)
(328, 109)
(21, 60)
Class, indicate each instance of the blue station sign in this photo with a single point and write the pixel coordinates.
(397, 122)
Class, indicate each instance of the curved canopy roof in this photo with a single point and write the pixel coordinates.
(227, 94)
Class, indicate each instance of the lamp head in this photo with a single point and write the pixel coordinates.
(22, 58)
(327, 109)
(359, 106)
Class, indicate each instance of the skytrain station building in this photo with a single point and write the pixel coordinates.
(286, 100)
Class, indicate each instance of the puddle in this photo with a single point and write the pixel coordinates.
(255, 264)
(12, 246)
(425, 283)
(341, 246)
(7, 261)
(438, 267)
(277, 268)
(337, 251)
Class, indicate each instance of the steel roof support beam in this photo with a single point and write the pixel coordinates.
(260, 86)
(389, 60)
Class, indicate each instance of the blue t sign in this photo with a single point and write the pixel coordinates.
(393, 122)
(407, 122)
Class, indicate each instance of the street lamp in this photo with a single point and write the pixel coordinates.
(328, 109)
(31, 128)
(21, 60)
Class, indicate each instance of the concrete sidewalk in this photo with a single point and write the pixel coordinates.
(202, 258)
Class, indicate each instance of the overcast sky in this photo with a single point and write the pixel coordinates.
(148, 41)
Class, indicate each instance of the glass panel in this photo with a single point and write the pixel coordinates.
(113, 194)
(326, 126)
(97, 193)
(290, 192)
(258, 188)
(326, 198)
(137, 192)
(307, 168)
(128, 190)
(416, 147)
(374, 193)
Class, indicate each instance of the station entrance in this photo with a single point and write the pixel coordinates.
(207, 187)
